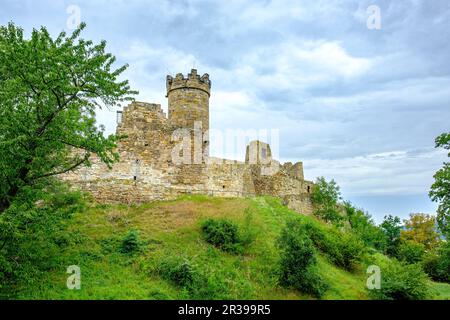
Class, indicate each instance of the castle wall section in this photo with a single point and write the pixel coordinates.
(146, 170)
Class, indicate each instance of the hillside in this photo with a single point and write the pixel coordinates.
(171, 230)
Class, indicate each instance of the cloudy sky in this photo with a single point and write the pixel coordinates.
(359, 105)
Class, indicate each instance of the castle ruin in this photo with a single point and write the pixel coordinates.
(150, 168)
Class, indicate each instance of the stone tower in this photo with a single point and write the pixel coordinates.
(188, 101)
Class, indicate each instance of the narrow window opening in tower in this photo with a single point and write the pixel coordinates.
(136, 169)
(308, 189)
(223, 187)
(119, 117)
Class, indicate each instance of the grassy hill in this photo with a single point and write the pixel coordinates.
(172, 230)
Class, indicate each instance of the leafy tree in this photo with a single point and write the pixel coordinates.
(325, 197)
(421, 228)
(32, 237)
(440, 190)
(362, 224)
(411, 252)
(391, 227)
(49, 89)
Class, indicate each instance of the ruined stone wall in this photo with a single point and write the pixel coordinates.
(230, 179)
(294, 170)
(144, 172)
(148, 135)
(294, 192)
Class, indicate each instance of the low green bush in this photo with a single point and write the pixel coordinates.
(180, 273)
(344, 249)
(223, 234)
(410, 252)
(193, 282)
(298, 265)
(400, 281)
(131, 242)
(437, 264)
(362, 224)
(350, 250)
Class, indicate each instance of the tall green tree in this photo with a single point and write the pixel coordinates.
(392, 227)
(49, 90)
(363, 225)
(440, 190)
(325, 197)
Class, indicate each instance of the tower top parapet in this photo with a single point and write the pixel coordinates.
(192, 81)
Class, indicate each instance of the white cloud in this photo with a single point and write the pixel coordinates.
(328, 58)
(297, 64)
(388, 173)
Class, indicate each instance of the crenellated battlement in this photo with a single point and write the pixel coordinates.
(192, 81)
(188, 103)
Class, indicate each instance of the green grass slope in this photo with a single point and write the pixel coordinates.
(172, 230)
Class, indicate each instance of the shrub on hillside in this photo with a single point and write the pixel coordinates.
(400, 281)
(298, 262)
(32, 235)
(344, 249)
(191, 280)
(410, 252)
(130, 242)
(223, 234)
(182, 273)
(350, 250)
(437, 264)
(362, 224)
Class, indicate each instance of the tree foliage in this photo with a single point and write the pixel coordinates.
(223, 234)
(421, 228)
(440, 190)
(32, 236)
(362, 224)
(325, 197)
(49, 90)
(410, 252)
(298, 263)
(401, 281)
(391, 226)
(437, 263)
